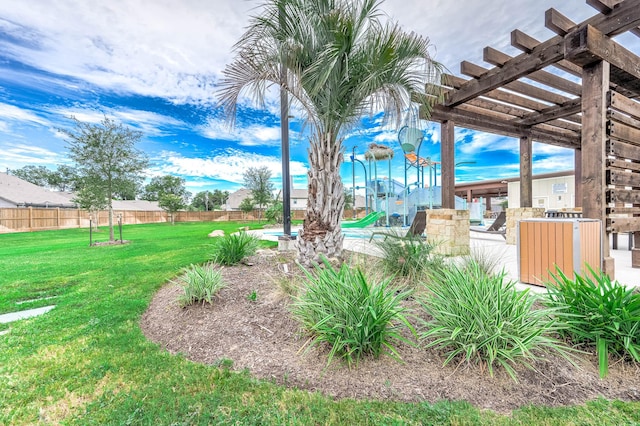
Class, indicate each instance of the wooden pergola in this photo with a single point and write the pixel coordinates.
(597, 114)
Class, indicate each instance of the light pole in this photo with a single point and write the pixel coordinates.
(353, 183)
(284, 131)
(366, 198)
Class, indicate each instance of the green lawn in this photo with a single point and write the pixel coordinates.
(87, 362)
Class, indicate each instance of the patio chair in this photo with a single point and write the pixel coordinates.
(415, 230)
(497, 227)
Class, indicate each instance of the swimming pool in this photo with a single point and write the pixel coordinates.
(351, 233)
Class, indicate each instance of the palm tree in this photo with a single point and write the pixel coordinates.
(339, 62)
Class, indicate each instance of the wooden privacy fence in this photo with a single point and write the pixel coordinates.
(39, 219)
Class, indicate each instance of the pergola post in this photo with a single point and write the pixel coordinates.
(526, 185)
(595, 84)
(577, 175)
(447, 157)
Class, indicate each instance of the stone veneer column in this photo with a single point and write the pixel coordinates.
(516, 215)
(449, 230)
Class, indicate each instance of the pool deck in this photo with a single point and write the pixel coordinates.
(494, 246)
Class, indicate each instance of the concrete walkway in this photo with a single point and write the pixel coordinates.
(493, 246)
(29, 313)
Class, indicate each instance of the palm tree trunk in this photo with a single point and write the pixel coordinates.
(321, 234)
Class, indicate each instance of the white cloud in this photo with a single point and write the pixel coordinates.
(460, 30)
(228, 165)
(481, 142)
(15, 156)
(169, 49)
(552, 164)
(386, 137)
(545, 149)
(14, 114)
(150, 123)
(251, 135)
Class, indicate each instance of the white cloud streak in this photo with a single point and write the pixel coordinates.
(228, 165)
(251, 135)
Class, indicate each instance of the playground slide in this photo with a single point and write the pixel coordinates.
(369, 219)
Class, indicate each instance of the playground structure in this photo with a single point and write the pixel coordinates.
(400, 201)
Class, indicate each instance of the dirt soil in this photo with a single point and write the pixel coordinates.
(261, 336)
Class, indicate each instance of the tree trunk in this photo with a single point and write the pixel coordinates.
(110, 206)
(111, 235)
(321, 234)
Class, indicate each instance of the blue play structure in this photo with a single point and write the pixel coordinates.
(401, 200)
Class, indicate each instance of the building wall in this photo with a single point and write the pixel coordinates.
(549, 193)
(5, 203)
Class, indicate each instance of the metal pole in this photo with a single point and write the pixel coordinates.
(405, 193)
(366, 197)
(375, 184)
(353, 184)
(389, 192)
(284, 131)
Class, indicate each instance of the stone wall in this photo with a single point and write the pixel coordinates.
(449, 230)
(516, 215)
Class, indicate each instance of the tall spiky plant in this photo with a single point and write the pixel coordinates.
(342, 62)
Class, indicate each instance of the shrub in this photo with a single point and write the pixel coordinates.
(274, 213)
(408, 257)
(199, 284)
(488, 261)
(598, 312)
(354, 316)
(483, 319)
(232, 249)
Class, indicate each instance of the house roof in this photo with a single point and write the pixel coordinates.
(23, 193)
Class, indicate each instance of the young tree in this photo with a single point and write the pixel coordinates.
(171, 203)
(166, 184)
(89, 197)
(105, 157)
(256, 180)
(337, 60)
(247, 206)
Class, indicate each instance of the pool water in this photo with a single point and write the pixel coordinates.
(362, 234)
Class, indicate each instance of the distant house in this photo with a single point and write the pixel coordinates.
(298, 199)
(235, 199)
(15, 192)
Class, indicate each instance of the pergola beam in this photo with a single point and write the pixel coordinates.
(588, 45)
(479, 119)
(623, 17)
(501, 95)
(570, 107)
(478, 72)
(558, 23)
(606, 6)
(526, 43)
(499, 59)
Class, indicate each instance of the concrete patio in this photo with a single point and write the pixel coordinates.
(357, 240)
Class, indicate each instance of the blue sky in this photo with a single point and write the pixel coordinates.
(153, 65)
